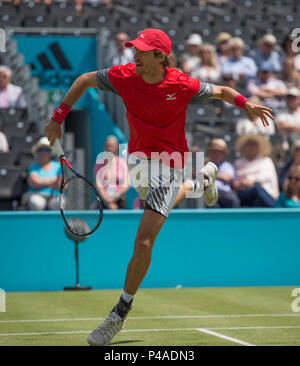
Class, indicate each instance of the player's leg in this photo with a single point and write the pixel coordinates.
(149, 227)
(159, 196)
(148, 230)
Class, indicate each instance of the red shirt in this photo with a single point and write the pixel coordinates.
(155, 112)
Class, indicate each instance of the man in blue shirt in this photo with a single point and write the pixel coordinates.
(266, 53)
(241, 67)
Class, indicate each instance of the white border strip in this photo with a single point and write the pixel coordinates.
(153, 317)
(219, 335)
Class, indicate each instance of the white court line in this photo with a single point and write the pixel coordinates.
(156, 330)
(219, 335)
(154, 317)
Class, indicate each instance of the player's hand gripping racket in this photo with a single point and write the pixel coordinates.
(80, 204)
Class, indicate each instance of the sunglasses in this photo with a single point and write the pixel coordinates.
(294, 178)
(43, 149)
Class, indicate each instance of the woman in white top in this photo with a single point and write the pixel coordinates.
(209, 70)
(256, 179)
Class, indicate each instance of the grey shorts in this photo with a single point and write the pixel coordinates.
(156, 183)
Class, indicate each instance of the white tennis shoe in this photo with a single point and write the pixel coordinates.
(102, 335)
(207, 178)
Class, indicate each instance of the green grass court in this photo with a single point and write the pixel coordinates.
(258, 316)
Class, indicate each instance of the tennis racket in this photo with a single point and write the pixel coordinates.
(80, 204)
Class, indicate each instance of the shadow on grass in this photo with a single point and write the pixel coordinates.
(124, 342)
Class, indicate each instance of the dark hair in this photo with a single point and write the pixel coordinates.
(169, 60)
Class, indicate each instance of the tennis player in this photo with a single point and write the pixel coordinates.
(156, 98)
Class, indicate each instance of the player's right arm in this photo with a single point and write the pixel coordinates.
(53, 127)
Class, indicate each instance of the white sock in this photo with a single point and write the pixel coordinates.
(127, 297)
(191, 182)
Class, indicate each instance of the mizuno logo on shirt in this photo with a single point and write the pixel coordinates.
(171, 96)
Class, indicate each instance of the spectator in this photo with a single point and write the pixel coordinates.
(268, 88)
(4, 147)
(291, 198)
(191, 59)
(43, 179)
(111, 176)
(241, 67)
(288, 121)
(223, 49)
(227, 198)
(294, 161)
(266, 54)
(290, 75)
(11, 96)
(252, 124)
(209, 70)
(287, 46)
(121, 55)
(256, 179)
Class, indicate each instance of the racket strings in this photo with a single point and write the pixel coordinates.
(80, 205)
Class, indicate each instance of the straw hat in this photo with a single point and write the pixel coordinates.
(42, 142)
(294, 92)
(265, 147)
(268, 38)
(218, 144)
(223, 36)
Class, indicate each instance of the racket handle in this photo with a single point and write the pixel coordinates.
(58, 149)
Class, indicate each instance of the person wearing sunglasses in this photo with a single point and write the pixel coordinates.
(291, 198)
(43, 178)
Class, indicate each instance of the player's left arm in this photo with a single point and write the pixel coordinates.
(231, 96)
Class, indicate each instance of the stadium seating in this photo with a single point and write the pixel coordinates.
(23, 144)
(12, 114)
(17, 128)
(6, 159)
(32, 8)
(11, 186)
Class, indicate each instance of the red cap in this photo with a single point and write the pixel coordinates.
(151, 39)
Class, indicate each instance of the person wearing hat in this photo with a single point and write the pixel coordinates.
(227, 197)
(288, 120)
(223, 49)
(190, 59)
(270, 90)
(266, 53)
(43, 178)
(156, 98)
(256, 179)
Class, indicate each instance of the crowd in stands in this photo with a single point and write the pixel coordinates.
(267, 74)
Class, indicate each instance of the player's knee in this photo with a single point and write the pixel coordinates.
(143, 246)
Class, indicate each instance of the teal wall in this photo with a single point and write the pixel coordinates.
(194, 248)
